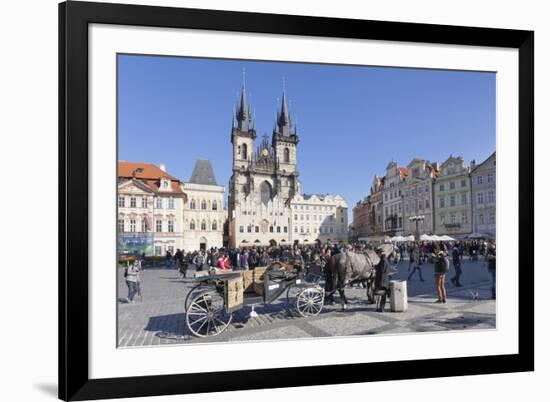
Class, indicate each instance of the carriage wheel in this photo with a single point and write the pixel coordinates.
(194, 291)
(310, 301)
(206, 314)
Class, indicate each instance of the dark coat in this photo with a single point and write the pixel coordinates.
(382, 280)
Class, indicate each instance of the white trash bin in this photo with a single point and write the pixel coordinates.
(398, 296)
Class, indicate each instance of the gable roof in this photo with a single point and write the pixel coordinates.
(203, 173)
(148, 171)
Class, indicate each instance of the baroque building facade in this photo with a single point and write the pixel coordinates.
(319, 217)
(484, 196)
(393, 199)
(149, 209)
(203, 210)
(418, 196)
(453, 199)
(264, 189)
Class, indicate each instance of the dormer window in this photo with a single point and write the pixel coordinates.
(164, 184)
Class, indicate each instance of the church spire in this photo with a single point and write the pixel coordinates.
(243, 111)
(283, 117)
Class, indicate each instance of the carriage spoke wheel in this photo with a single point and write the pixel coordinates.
(206, 315)
(309, 302)
(193, 292)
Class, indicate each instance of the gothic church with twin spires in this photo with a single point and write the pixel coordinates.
(265, 185)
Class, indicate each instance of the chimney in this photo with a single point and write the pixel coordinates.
(163, 167)
(472, 164)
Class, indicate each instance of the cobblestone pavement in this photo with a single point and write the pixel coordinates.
(158, 316)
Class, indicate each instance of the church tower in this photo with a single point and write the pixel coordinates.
(243, 133)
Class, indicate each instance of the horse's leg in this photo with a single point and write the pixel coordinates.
(370, 291)
(343, 300)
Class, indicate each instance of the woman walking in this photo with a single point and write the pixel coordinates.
(441, 267)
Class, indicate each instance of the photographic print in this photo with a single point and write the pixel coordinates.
(263, 200)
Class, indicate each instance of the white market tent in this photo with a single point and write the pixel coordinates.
(398, 239)
(409, 238)
(426, 237)
(447, 238)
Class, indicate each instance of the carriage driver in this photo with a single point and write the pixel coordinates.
(381, 280)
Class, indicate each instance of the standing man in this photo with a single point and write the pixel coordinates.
(491, 260)
(441, 267)
(458, 268)
(381, 280)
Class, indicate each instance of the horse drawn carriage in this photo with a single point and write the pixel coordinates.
(210, 304)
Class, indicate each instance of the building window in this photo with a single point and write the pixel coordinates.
(192, 224)
(441, 202)
(159, 226)
(481, 219)
(442, 187)
(159, 203)
(214, 225)
(464, 217)
(203, 205)
(257, 229)
(301, 217)
(143, 202)
(271, 229)
(171, 226)
(286, 155)
(192, 204)
(203, 225)
(452, 185)
(491, 197)
(295, 229)
(301, 229)
(462, 183)
(132, 202)
(331, 230)
(479, 179)
(420, 205)
(426, 189)
(453, 200)
(121, 225)
(453, 218)
(121, 201)
(241, 229)
(492, 218)
(144, 225)
(490, 178)
(419, 189)
(278, 229)
(171, 203)
(245, 151)
(480, 198)
(442, 219)
(158, 250)
(427, 204)
(249, 229)
(285, 229)
(214, 205)
(463, 199)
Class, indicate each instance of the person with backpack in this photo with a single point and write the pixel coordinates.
(441, 267)
(415, 259)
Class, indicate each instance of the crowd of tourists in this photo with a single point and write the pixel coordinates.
(437, 254)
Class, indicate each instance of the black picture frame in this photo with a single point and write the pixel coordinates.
(74, 18)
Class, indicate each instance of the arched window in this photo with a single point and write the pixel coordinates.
(214, 225)
(203, 204)
(203, 225)
(286, 155)
(214, 205)
(192, 204)
(265, 191)
(245, 151)
(192, 225)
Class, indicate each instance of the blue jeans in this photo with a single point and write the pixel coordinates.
(493, 276)
(413, 271)
(132, 289)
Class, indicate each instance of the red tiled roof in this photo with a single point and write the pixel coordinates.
(404, 172)
(150, 175)
(149, 171)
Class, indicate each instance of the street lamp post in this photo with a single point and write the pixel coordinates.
(416, 219)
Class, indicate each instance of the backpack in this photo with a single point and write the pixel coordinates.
(126, 272)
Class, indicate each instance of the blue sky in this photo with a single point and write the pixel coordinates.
(352, 120)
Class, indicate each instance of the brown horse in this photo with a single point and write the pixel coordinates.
(351, 267)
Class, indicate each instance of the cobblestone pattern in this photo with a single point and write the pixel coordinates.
(157, 317)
